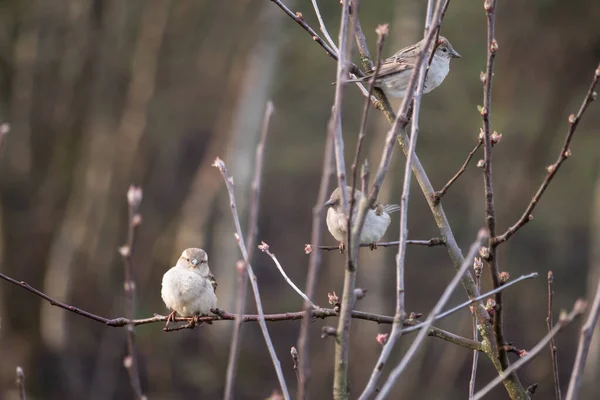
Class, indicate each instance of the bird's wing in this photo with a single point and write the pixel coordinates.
(213, 282)
(390, 208)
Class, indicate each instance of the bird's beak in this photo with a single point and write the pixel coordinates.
(454, 54)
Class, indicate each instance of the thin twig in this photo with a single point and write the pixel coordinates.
(251, 240)
(585, 338)
(475, 300)
(382, 32)
(564, 320)
(263, 326)
(437, 196)
(265, 249)
(134, 199)
(395, 373)
(323, 27)
(429, 243)
(565, 153)
(314, 265)
(549, 324)
(21, 383)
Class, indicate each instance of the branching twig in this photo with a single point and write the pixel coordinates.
(134, 199)
(429, 243)
(585, 338)
(330, 52)
(392, 378)
(251, 240)
(564, 320)
(437, 196)
(265, 249)
(565, 152)
(20, 380)
(549, 324)
(263, 326)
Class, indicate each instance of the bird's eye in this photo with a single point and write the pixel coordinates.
(194, 261)
(444, 50)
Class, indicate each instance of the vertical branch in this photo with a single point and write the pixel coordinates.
(585, 338)
(313, 269)
(490, 212)
(134, 199)
(478, 267)
(263, 326)
(251, 240)
(414, 92)
(550, 324)
(21, 383)
(340, 378)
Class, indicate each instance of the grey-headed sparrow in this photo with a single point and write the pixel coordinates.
(376, 222)
(188, 289)
(395, 71)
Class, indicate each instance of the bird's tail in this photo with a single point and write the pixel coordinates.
(391, 208)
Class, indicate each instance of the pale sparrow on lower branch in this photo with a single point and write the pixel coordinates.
(376, 223)
(188, 288)
(395, 71)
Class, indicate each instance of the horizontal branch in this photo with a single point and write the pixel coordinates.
(429, 243)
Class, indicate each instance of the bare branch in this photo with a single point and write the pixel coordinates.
(565, 153)
(265, 249)
(251, 239)
(550, 324)
(263, 326)
(393, 377)
(585, 338)
(340, 377)
(564, 320)
(478, 268)
(382, 32)
(429, 243)
(134, 199)
(330, 52)
(437, 196)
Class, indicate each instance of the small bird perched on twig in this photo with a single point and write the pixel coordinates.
(188, 288)
(376, 222)
(395, 71)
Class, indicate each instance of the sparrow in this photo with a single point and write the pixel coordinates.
(189, 288)
(395, 71)
(376, 223)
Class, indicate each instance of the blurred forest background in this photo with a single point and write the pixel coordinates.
(104, 93)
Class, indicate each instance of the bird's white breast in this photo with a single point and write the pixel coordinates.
(188, 293)
(438, 70)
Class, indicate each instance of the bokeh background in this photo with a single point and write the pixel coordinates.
(104, 93)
